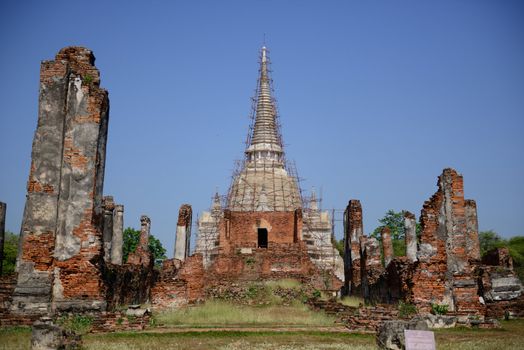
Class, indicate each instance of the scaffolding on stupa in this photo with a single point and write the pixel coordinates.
(265, 181)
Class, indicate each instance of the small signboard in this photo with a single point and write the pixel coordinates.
(419, 340)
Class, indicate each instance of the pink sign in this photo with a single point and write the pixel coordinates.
(419, 340)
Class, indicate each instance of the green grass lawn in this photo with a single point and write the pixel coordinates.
(511, 336)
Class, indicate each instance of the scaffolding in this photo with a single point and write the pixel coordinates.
(265, 181)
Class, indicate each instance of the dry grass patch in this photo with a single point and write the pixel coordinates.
(222, 313)
(352, 301)
(16, 338)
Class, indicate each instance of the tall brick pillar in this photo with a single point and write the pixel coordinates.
(472, 227)
(183, 232)
(410, 236)
(109, 206)
(353, 231)
(448, 224)
(370, 264)
(387, 245)
(61, 234)
(117, 240)
(3, 208)
(142, 255)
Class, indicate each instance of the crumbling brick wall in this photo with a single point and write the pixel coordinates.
(445, 275)
(61, 237)
(129, 284)
(353, 231)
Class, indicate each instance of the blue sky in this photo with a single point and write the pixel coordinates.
(375, 99)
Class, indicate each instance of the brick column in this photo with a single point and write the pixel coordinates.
(109, 206)
(371, 264)
(352, 234)
(410, 236)
(117, 240)
(387, 245)
(183, 232)
(62, 224)
(142, 255)
(472, 227)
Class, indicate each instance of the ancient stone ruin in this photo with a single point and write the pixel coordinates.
(59, 264)
(71, 259)
(442, 267)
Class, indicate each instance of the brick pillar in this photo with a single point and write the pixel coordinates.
(387, 245)
(142, 255)
(61, 232)
(117, 239)
(370, 265)
(183, 232)
(472, 227)
(109, 206)
(410, 236)
(353, 231)
(3, 208)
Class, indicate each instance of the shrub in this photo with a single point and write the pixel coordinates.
(439, 309)
(79, 324)
(406, 309)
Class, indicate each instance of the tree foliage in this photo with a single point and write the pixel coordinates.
(395, 221)
(490, 239)
(10, 252)
(131, 240)
(339, 245)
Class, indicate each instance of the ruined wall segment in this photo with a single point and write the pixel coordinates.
(387, 244)
(142, 255)
(61, 234)
(472, 227)
(117, 238)
(444, 275)
(353, 232)
(410, 236)
(370, 265)
(183, 232)
(109, 207)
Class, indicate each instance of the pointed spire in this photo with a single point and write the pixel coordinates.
(265, 132)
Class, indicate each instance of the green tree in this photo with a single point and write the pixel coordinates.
(339, 245)
(395, 221)
(489, 240)
(131, 240)
(10, 252)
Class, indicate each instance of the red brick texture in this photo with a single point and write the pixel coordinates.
(353, 231)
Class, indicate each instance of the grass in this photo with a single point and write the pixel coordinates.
(215, 313)
(509, 337)
(230, 341)
(288, 283)
(15, 338)
(352, 301)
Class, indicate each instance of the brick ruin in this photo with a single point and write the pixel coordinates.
(71, 259)
(442, 267)
(61, 236)
(183, 232)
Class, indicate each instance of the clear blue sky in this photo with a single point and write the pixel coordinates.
(375, 98)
